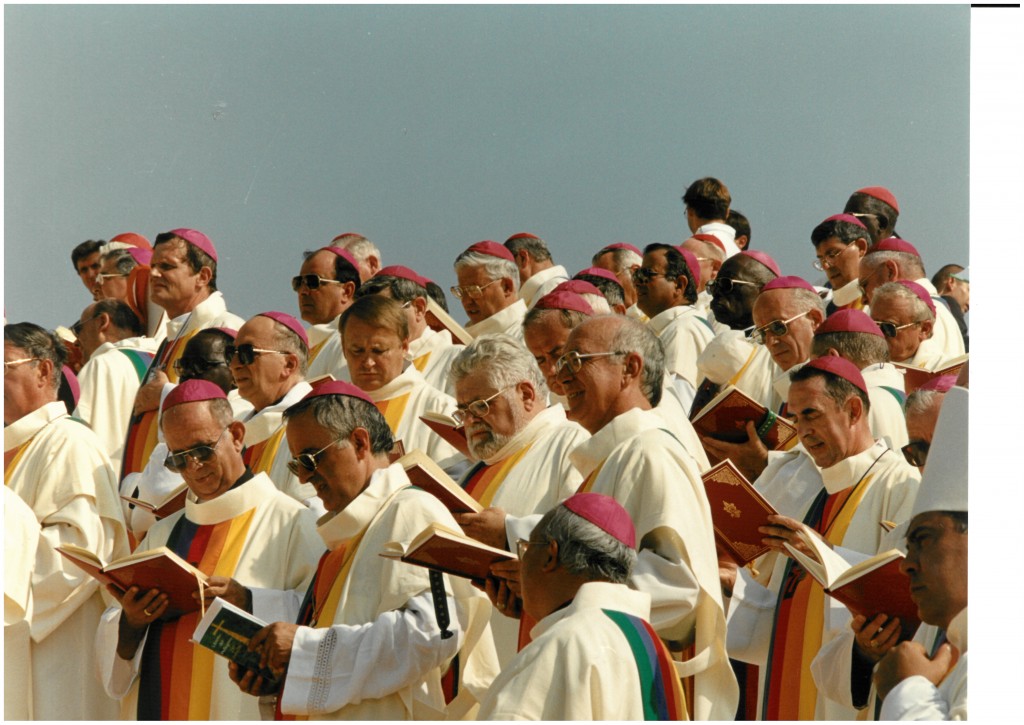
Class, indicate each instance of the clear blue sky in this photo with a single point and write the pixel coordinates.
(274, 128)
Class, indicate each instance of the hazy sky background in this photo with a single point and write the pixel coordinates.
(273, 129)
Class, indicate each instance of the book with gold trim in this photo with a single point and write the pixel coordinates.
(226, 630)
(429, 476)
(725, 419)
(444, 549)
(737, 510)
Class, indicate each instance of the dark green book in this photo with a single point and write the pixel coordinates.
(226, 630)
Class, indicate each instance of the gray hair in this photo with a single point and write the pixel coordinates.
(920, 401)
(598, 303)
(218, 408)
(495, 267)
(342, 414)
(860, 348)
(622, 259)
(894, 290)
(535, 246)
(286, 340)
(506, 362)
(38, 343)
(585, 549)
(125, 262)
(358, 246)
(911, 266)
(568, 318)
(634, 336)
(808, 300)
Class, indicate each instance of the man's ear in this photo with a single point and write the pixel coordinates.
(419, 306)
(856, 408)
(508, 287)
(927, 328)
(634, 366)
(550, 561)
(360, 440)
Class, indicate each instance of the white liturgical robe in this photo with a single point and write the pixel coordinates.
(57, 466)
(684, 333)
(21, 540)
(432, 353)
(946, 341)
(730, 358)
(885, 392)
(508, 321)
(329, 359)
(211, 312)
(541, 283)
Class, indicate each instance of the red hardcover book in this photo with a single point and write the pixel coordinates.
(449, 430)
(725, 419)
(170, 504)
(914, 377)
(447, 550)
(429, 476)
(737, 510)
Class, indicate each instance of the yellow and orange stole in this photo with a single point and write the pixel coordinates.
(176, 679)
(393, 410)
(789, 690)
(484, 481)
(12, 458)
(259, 457)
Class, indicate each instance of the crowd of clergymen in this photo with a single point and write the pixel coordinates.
(575, 394)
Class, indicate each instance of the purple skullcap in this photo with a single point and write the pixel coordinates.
(343, 253)
(764, 259)
(849, 321)
(192, 391)
(72, 381)
(710, 239)
(133, 239)
(598, 272)
(288, 321)
(579, 286)
(227, 331)
(337, 387)
(840, 366)
(197, 240)
(346, 234)
(605, 513)
(920, 291)
(623, 245)
(941, 384)
(691, 263)
(564, 300)
(492, 249)
(882, 194)
(848, 218)
(895, 244)
(397, 270)
(789, 282)
(142, 255)
(522, 235)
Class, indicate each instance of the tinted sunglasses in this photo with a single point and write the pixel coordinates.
(312, 281)
(178, 461)
(247, 354)
(195, 367)
(725, 285)
(778, 328)
(891, 329)
(308, 462)
(916, 452)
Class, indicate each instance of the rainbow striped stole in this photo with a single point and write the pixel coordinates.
(393, 410)
(139, 442)
(12, 458)
(172, 350)
(660, 689)
(176, 680)
(790, 693)
(259, 457)
(484, 481)
(140, 360)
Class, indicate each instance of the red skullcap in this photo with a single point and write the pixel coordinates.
(941, 384)
(849, 321)
(192, 391)
(522, 235)
(882, 194)
(337, 387)
(135, 240)
(711, 239)
(564, 300)
(789, 282)
(623, 245)
(691, 263)
(598, 272)
(344, 254)
(579, 286)
(197, 240)
(288, 321)
(848, 218)
(920, 291)
(397, 270)
(605, 513)
(839, 366)
(764, 259)
(346, 234)
(895, 244)
(142, 255)
(492, 249)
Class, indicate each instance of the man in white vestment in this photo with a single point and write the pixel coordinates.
(268, 365)
(326, 284)
(707, 203)
(621, 258)
(840, 242)
(239, 530)
(430, 352)
(489, 290)
(21, 540)
(895, 259)
(58, 467)
(905, 313)
(538, 273)
(839, 482)
(372, 643)
(117, 357)
(594, 655)
(851, 334)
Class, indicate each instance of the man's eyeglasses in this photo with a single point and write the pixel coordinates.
(195, 367)
(101, 277)
(312, 281)
(247, 354)
(828, 260)
(725, 285)
(573, 361)
(881, 219)
(77, 327)
(916, 452)
(522, 545)
(643, 275)
(178, 461)
(891, 329)
(478, 408)
(308, 462)
(778, 328)
(472, 291)
(8, 364)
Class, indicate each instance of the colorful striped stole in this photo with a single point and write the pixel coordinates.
(393, 410)
(140, 360)
(172, 350)
(901, 397)
(790, 693)
(660, 689)
(484, 481)
(176, 681)
(259, 457)
(12, 458)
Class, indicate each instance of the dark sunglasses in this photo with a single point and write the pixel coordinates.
(312, 281)
(916, 452)
(309, 461)
(178, 461)
(247, 354)
(195, 367)
(891, 329)
(777, 328)
(725, 285)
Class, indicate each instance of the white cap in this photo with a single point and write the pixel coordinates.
(944, 482)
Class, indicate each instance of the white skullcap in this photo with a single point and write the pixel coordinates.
(944, 481)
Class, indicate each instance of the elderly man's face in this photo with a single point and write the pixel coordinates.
(936, 563)
(327, 301)
(22, 384)
(88, 331)
(731, 301)
(591, 392)
(375, 355)
(899, 311)
(114, 285)
(260, 382)
(338, 479)
(872, 275)
(505, 417)
(625, 276)
(545, 340)
(189, 425)
(492, 299)
(794, 347)
(823, 425)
